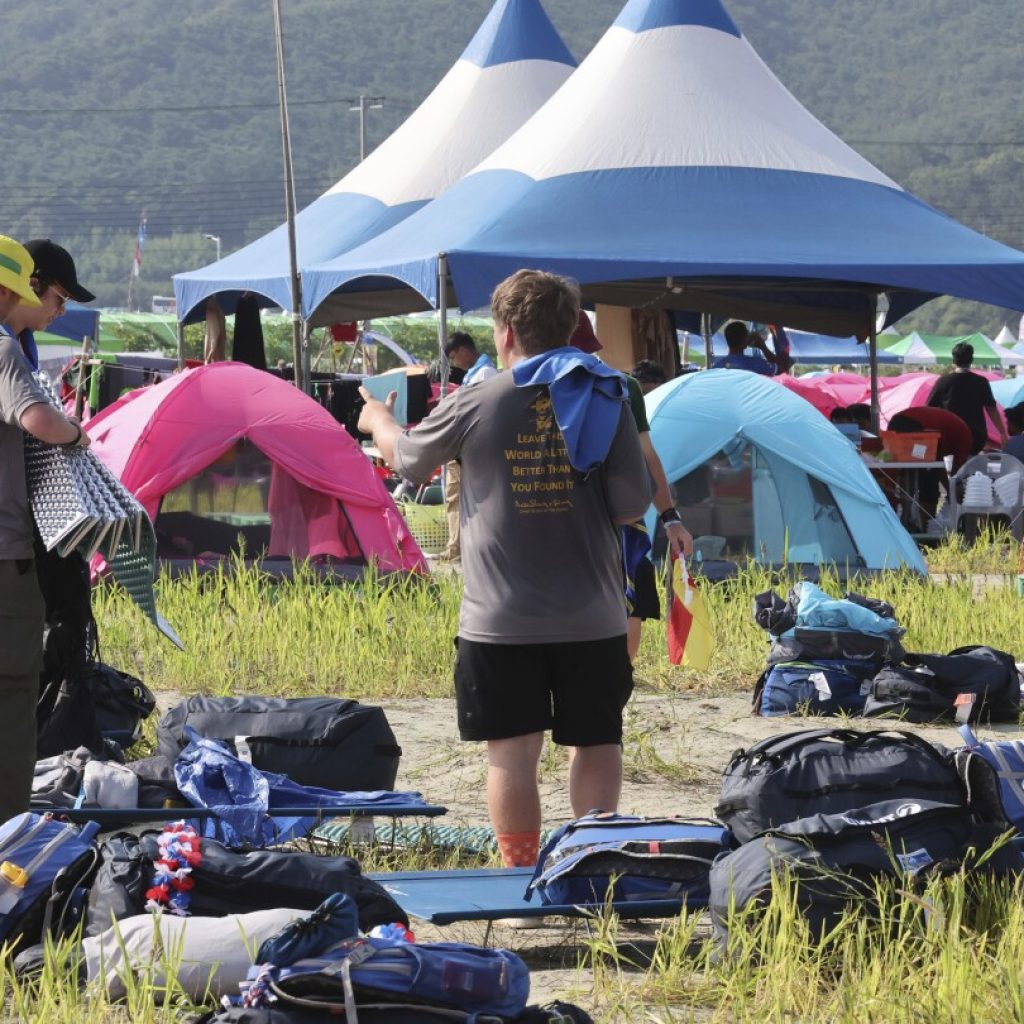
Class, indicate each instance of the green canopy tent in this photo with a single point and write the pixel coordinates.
(937, 350)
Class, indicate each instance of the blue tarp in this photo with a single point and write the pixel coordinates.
(791, 447)
(77, 322)
(823, 350)
(735, 201)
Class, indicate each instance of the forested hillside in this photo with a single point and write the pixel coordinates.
(111, 108)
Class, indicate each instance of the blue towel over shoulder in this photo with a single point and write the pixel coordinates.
(586, 396)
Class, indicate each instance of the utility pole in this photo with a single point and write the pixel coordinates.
(365, 103)
(289, 202)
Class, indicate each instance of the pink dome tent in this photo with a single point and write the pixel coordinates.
(224, 449)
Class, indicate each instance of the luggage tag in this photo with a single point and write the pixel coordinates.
(821, 686)
(914, 861)
(964, 705)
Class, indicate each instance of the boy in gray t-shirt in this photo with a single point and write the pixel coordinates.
(24, 291)
(542, 629)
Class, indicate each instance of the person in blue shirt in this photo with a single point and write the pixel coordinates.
(475, 366)
(462, 352)
(739, 338)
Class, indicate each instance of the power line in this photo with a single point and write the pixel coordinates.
(189, 109)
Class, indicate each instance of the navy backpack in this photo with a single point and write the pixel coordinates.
(44, 864)
(828, 687)
(637, 858)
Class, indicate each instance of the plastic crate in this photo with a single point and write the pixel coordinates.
(428, 524)
(911, 447)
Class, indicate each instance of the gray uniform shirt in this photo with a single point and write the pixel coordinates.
(540, 549)
(18, 391)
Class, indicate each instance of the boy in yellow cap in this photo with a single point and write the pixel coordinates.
(16, 267)
(23, 407)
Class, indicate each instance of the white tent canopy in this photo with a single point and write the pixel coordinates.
(512, 66)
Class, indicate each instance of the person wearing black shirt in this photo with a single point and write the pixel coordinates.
(969, 396)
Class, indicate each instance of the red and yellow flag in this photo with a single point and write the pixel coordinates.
(690, 636)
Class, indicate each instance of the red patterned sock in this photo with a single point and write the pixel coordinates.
(519, 849)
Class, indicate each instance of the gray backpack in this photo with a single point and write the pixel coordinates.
(828, 771)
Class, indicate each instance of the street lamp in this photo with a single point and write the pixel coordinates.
(215, 239)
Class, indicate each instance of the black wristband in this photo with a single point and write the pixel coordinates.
(78, 438)
(670, 515)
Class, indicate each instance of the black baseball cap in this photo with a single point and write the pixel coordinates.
(54, 263)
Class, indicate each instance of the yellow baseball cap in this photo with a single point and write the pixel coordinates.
(16, 266)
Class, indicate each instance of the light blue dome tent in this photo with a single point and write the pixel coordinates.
(761, 473)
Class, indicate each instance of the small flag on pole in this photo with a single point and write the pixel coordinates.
(139, 243)
(690, 636)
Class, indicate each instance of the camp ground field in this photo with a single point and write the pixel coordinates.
(956, 952)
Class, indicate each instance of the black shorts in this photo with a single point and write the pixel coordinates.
(645, 589)
(577, 690)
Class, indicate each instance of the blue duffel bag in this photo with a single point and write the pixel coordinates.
(828, 687)
(639, 859)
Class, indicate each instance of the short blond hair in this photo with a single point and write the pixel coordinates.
(541, 308)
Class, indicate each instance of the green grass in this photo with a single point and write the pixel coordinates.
(393, 638)
(949, 954)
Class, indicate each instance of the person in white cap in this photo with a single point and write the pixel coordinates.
(23, 407)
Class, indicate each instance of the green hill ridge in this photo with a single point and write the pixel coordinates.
(109, 109)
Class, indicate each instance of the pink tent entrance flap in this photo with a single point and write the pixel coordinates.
(324, 497)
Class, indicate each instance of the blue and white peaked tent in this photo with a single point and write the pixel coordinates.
(513, 64)
(791, 488)
(673, 169)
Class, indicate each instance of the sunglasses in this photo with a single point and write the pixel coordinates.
(62, 296)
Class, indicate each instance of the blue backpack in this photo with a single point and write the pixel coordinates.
(826, 687)
(993, 775)
(375, 972)
(43, 867)
(637, 858)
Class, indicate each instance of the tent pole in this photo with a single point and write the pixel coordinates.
(289, 202)
(181, 345)
(873, 363)
(442, 322)
(306, 375)
(709, 348)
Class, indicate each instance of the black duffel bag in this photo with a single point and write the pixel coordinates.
(315, 741)
(835, 859)
(790, 776)
(969, 684)
(233, 882)
(806, 644)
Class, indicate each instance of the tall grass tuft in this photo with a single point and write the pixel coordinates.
(392, 637)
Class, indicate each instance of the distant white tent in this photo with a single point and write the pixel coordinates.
(511, 67)
(1005, 337)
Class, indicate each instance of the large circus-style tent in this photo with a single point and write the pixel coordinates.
(674, 170)
(513, 64)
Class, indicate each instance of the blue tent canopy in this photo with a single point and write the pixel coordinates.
(758, 466)
(823, 350)
(807, 349)
(513, 64)
(77, 322)
(657, 180)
